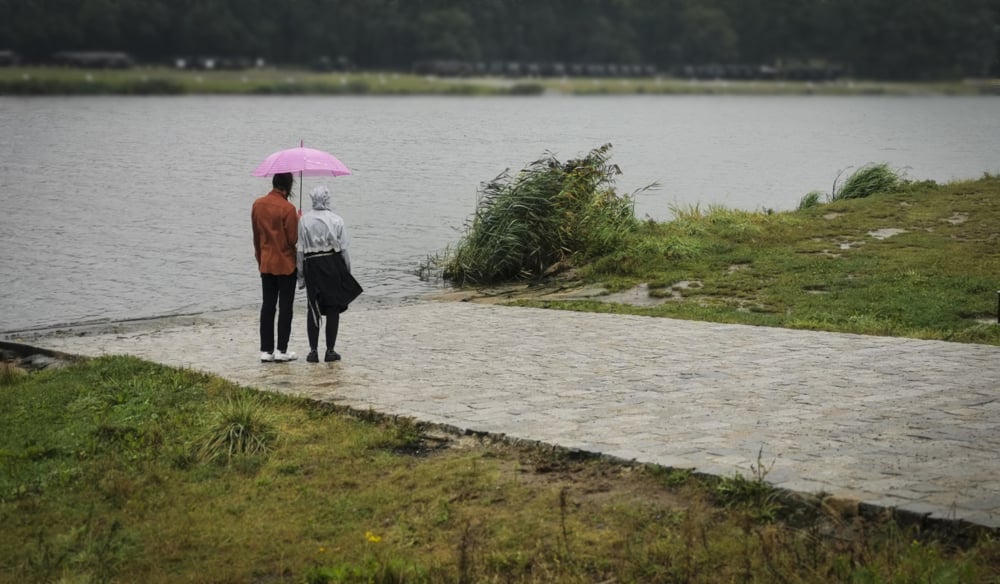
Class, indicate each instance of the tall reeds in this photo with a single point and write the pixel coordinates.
(866, 181)
(549, 213)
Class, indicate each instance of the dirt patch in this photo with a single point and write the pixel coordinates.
(593, 481)
(18, 358)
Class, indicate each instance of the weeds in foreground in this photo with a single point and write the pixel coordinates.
(337, 501)
(755, 495)
(11, 374)
(97, 548)
(241, 428)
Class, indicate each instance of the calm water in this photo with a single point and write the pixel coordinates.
(118, 208)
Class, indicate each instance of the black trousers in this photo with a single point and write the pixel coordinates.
(313, 325)
(279, 293)
(323, 275)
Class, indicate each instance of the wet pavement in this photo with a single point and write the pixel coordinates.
(907, 424)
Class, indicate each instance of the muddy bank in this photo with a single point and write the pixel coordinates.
(26, 358)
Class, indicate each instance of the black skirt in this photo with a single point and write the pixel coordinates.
(329, 284)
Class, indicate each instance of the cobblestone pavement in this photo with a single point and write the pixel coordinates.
(909, 424)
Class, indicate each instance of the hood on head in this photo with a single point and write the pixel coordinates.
(320, 198)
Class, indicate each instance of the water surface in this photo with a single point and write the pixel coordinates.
(123, 207)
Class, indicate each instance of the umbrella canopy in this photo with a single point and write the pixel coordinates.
(305, 161)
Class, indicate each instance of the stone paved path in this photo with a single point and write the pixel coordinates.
(893, 422)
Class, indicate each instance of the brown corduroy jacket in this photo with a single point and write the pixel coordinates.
(275, 233)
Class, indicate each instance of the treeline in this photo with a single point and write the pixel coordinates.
(878, 39)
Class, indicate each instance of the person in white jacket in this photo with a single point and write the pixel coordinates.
(324, 268)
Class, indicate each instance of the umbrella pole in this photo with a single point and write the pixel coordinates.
(302, 144)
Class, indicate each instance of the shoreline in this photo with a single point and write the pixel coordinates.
(558, 289)
(37, 81)
(152, 324)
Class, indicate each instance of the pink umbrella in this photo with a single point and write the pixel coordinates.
(305, 161)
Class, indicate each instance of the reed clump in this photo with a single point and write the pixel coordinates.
(810, 200)
(241, 428)
(866, 181)
(549, 214)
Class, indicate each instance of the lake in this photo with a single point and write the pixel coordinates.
(119, 208)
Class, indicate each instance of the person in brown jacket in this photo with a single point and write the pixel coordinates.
(275, 233)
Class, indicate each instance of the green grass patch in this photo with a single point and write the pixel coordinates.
(908, 259)
(101, 480)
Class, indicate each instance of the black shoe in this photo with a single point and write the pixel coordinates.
(312, 357)
(331, 355)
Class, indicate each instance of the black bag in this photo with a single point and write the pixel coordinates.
(329, 283)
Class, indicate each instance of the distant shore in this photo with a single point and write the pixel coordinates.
(272, 81)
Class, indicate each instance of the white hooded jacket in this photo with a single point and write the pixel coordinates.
(320, 229)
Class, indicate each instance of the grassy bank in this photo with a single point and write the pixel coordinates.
(879, 255)
(919, 262)
(118, 470)
(672, 86)
(165, 81)
(267, 81)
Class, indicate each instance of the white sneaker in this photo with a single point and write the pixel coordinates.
(289, 356)
(266, 357)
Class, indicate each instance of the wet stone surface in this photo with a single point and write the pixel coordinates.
(908, 424)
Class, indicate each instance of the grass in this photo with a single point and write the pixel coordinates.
(871, 179)
(266, 81)
(902, 258)
(167, 81)
(240, 429)
(102, 482)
